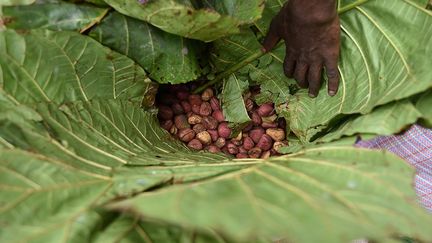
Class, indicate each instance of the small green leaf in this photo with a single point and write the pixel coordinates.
(424, 105)
(232, 100)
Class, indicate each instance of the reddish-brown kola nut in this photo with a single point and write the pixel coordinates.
(196, 109)
(207, 94)
(277, 134)
(256, 134)
(204, 137)
(242, 156)
(248, 143)
(247, 129)
(256, 119)
(181, 122)
(198, 128)
(218, 115)
(195, 100)
(265, 142)
(213, 149)
(242, 150)
(265, 110)
(182, 95)
(249, 104)
(177, 109)
(214, 135)
(195, 119)
(186, 106)
(205, 109)
(269, 125)
(186, 135)
(255, 153)
(214, 102)
(210, 123)
(165, 113)
(195, 144)
(232, 149)
(224, 130)
(220, 142)
(167, 124)
(265, 155)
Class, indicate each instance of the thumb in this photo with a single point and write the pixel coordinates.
(272, 37)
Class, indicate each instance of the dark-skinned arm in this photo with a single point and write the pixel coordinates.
(311, 33)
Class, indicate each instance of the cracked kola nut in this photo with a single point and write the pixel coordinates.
(224, 130)
(173, 130)
(195, 100)
(265, 110)
(242, 156)
(195, 119)
(218, 115)
(265, 142)
(279, 145)
(214, 135)
(277, 134)
(204, 137)
(186, 106)
(207, 94)
(255, 153)
(214, 103)
(181, 122)
(267, 125)
(182, 95)
(249, 104)
(198, 128)
(220, 142)
(213, 149)
(256, 119)
(232, 149)
(167, 124)
(210, 123)
(265, 155)
(177, 109)
(186, 135)
(256, 134)
(165, 113)
(195, 144)
(205, 109)
(238, 137)
(248, 143)
(237, 142)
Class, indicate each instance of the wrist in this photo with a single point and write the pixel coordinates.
(312, 11)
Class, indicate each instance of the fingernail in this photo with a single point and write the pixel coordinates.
(332, 92)
(312, 95)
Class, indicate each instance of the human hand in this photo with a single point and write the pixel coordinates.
(311, 33)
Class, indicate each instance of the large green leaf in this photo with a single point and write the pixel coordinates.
(167, 58)
(181, 18)
(53, 16)
(385, 120)
(41, 65)
(342, 193)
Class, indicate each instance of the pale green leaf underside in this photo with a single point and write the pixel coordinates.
(53, 16)
(329, 189)
(424, 105)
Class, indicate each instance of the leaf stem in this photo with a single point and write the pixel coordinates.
(260, 53)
